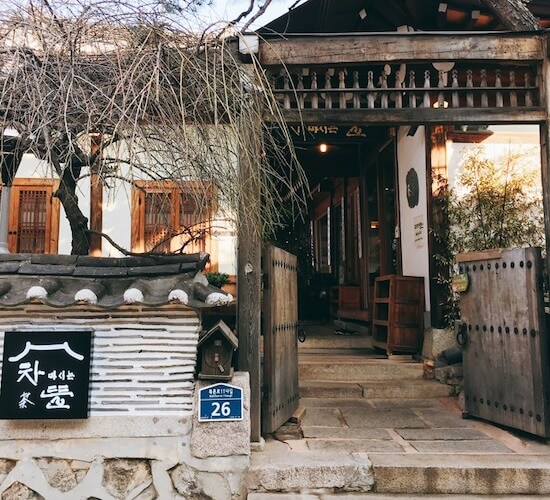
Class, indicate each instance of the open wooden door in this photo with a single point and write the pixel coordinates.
(280, 318)
(505, 339)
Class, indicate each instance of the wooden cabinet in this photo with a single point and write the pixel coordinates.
(398, 313)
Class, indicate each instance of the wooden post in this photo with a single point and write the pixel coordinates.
(249, 272)
(96, 201)
(545, 152)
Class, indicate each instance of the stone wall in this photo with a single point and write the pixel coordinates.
(129, 451)
(144, 457)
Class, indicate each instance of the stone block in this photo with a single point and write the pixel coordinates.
(60, 473)
(355, 446)
(449, 372)
(461, 402)
(191, 483)
(325, 417)
(124, 476)
(280, 471)
(477, 446)
(222, 439)
(18, 491)
(344, 433)
(383, 418)
(436, 340)
(460, 434)
(5, 467)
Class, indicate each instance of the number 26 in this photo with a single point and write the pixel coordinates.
(221, 410)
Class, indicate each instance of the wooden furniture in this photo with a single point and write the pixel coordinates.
(398, 313)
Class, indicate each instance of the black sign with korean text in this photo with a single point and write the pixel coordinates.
(45, 375)
(327, 132)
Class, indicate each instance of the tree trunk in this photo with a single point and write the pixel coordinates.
(10, 159)
(513, 14)
(77, 221)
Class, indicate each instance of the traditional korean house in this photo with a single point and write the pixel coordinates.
(375, 95)
(379, 98)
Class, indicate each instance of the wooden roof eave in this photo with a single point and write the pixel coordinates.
(329, 49)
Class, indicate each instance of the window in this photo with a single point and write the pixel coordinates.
(33, 216)
(166, 216)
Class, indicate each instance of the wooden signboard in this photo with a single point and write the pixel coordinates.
(45, 375)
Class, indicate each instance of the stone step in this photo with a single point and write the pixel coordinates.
(407, 388)
(342, 368)
(442, 474)
(375, 496)
(330, 389)
(277, 470)
(337, 342)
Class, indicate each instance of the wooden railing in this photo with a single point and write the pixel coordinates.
(374, 88)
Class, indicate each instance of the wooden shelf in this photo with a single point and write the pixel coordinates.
(398, 313)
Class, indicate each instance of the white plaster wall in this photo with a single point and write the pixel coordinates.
(117, 216)
(411, 153)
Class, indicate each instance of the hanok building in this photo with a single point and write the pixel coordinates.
(380, 97)
(376, 95)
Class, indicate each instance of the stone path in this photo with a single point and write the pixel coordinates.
(405, 426)
(397, 448)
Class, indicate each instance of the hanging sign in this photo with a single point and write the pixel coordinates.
(45, 375)
(220, 402)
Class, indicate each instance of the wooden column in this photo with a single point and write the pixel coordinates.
(545, 154)
(249, 272)
(96, 201)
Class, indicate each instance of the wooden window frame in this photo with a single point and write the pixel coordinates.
(139, 192)
(51, 243)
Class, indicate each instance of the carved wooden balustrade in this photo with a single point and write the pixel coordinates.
(414, 87)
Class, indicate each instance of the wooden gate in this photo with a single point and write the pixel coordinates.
(280, 316)
(503, 329)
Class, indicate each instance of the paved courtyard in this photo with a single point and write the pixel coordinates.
(433, 426)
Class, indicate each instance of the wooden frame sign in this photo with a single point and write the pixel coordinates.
(45, 375)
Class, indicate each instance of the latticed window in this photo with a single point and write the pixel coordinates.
(167, 216)
(33, 217)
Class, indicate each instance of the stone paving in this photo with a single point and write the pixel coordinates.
(432, 426)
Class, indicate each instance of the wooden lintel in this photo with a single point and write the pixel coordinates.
(401, 47)
(418, 116)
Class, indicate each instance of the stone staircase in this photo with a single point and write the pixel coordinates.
(375, 429)
(361, 373)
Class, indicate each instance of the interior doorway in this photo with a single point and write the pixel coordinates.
(351, 225)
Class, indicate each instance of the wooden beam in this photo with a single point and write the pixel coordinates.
(401, 47)
(96, 201)
(545, 156)
(513, 14)
(249, 271)
(418, 116)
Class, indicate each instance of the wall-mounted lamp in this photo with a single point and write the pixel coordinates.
(323, 147)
